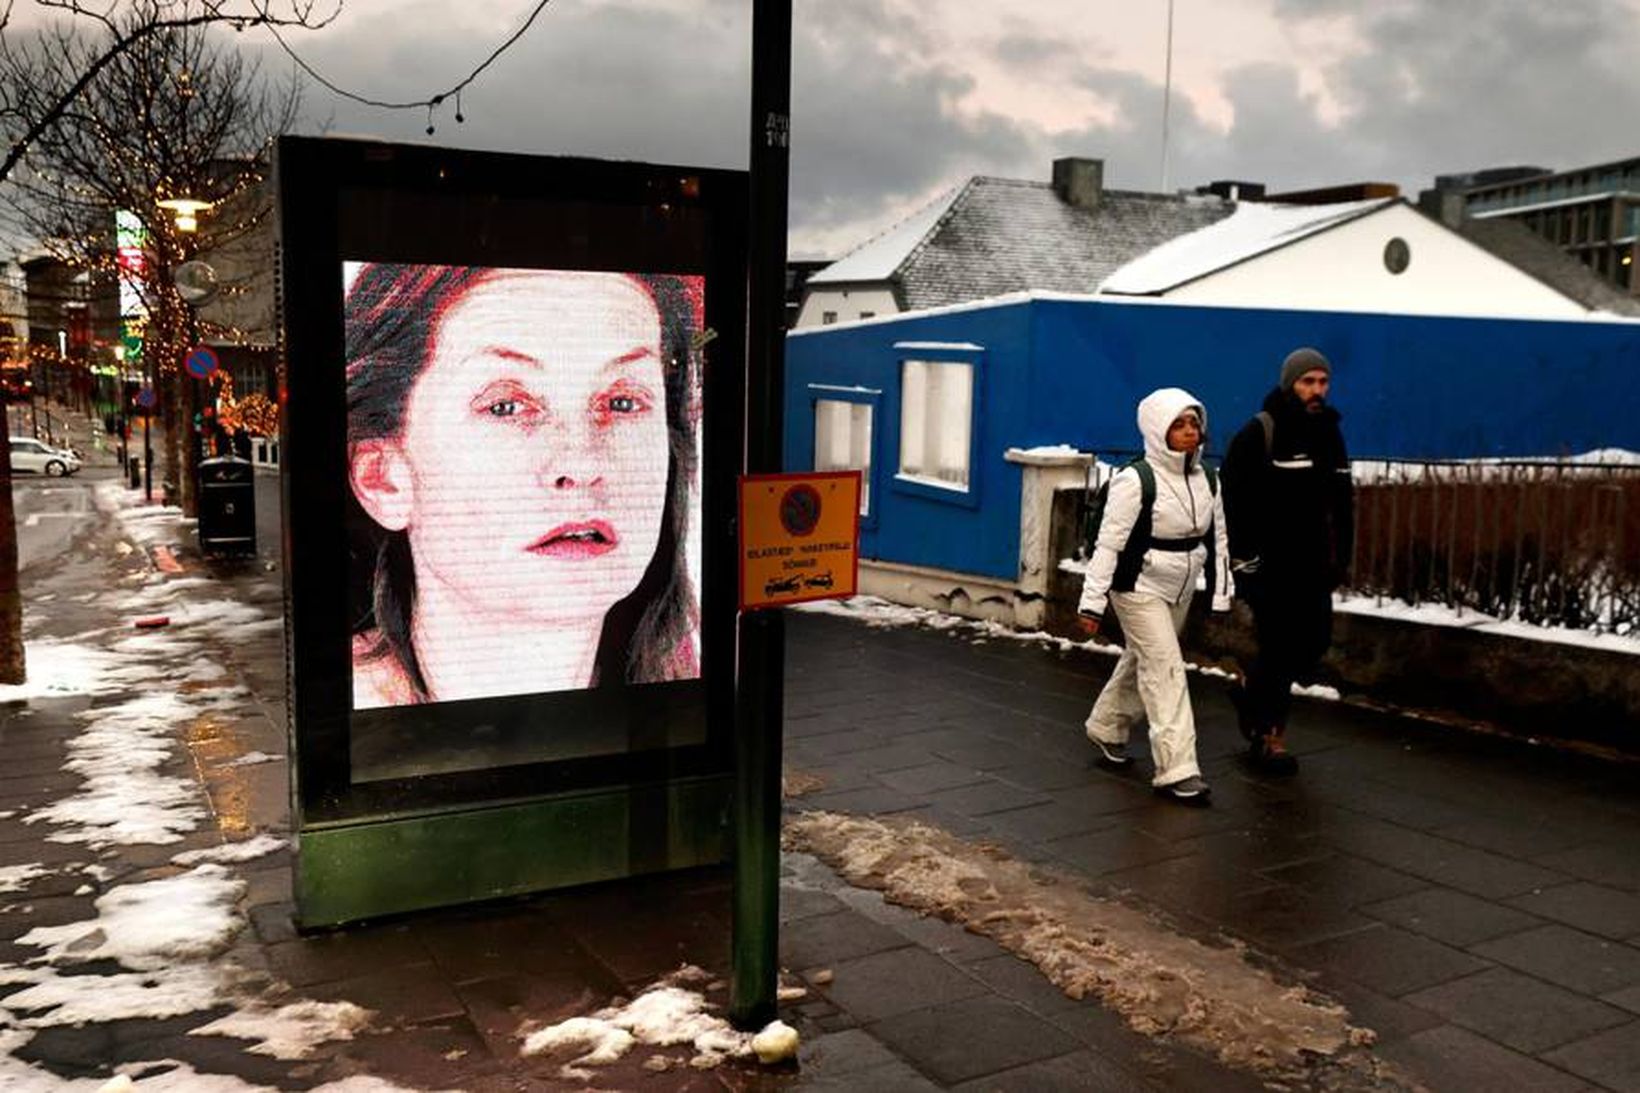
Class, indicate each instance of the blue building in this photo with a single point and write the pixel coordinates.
(965, 419)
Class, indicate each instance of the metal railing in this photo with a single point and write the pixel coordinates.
(1545, 542)
(1552, 543)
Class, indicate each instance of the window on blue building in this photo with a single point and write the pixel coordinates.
(842, 441)
(936, 412)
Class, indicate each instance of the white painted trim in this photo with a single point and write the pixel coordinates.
(835, 389)
(957, 347)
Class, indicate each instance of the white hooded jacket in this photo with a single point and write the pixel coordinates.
(1185, 507)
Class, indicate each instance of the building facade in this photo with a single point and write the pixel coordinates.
(1591, 213)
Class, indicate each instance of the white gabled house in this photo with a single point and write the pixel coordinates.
(1378, 256)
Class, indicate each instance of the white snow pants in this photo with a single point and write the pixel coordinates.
(1149, 682)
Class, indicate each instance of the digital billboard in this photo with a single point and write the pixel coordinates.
(525, 447)
(513, 412)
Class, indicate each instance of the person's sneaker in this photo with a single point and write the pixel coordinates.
(1190, 791)
(1114, 754)
(1270, 755)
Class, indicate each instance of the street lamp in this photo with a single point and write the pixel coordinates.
(186, 210)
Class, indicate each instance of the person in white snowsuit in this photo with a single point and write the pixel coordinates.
(1148, 578)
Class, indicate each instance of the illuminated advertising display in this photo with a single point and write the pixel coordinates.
(131, 258)
(513, 413)
(527, 440)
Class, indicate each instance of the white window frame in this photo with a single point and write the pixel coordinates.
(942, 440)
(850, 449)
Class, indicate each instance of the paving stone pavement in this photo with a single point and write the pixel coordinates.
(1475, 901)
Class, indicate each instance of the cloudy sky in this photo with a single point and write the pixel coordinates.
(893, 101)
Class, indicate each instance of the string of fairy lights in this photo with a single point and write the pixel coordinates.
(162, 166)
(156, 338)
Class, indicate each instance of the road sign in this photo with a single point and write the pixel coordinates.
(146, 398)
(799, 538)
(201, 362)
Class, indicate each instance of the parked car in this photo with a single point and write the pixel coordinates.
(38, 457)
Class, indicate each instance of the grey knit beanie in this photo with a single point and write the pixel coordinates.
(1300, 361)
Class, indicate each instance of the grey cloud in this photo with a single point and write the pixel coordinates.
(1463, 84)
(1437, 85)
(1032, 51)
(1314, 9)
(872, 127)
(872, 122)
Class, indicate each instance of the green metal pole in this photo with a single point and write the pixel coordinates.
(761, 661)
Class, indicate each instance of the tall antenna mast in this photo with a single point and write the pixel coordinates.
(1167, 92)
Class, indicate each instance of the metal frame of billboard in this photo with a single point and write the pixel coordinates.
(391, 844)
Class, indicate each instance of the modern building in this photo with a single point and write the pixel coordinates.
(1591, 213)
(72, 327)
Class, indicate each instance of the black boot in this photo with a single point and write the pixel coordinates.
(1246, 720)
(1270, 754)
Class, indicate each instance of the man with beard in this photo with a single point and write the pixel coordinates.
(1290, 509)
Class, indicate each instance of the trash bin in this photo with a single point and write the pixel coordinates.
(227, 506)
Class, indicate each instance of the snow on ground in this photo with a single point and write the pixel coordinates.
(126, 798)
(168, 935)
(57, 669)
(252, 758)
(1160, 981)
(50, 998)
(157, 1076)
(881, 614)
(248, 850)
(1436, 614)
(15, 878)
(292, 1031)
(666, 1014)
(151, 925)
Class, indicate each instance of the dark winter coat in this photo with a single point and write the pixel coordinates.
(1291, 507)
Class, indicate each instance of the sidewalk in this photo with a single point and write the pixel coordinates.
(1471, 901)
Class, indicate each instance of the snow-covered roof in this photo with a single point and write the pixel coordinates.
(1253, 229)
(996, 236)
(878, 258)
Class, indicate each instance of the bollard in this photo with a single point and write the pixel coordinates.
(136, 473)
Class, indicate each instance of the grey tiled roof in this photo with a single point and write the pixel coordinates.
(1535, 256)
(1006, 235)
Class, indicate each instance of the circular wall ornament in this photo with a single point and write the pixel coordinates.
(1397, 255)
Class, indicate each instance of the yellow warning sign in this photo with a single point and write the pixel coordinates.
(799, 538)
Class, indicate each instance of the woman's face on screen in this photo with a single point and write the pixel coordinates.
(536, 445)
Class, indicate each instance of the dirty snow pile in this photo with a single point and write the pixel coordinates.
(1162, 982)
(673, 1012)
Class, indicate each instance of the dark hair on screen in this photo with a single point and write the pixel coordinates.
(392, 315)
